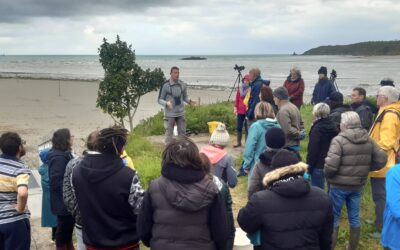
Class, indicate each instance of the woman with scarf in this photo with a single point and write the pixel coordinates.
(295, 86)
(242, 98)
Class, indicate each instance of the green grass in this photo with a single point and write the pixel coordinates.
(147, 160)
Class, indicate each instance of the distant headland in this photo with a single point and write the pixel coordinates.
(194, 58)
(372, 48)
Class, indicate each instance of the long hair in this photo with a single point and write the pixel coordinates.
(62, 139)
(112, 140)
(263, 110)
(182, 152)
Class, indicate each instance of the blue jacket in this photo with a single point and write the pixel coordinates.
(255, 143)
(391, 223)
(255, 88)
(322, 90)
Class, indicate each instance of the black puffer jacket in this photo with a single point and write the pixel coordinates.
(336, 113)
(321, 134)
(290, 213)
(183, 210)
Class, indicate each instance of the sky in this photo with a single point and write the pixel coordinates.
(199, 27)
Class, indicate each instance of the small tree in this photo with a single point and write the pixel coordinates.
(124, 81)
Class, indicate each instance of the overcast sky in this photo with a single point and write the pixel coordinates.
(165, 27)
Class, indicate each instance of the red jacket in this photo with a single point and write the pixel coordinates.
(239, 105)
(296, 90)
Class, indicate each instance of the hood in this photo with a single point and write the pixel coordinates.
(326, 126)
(324, 81)
(53, 153)
(356, 135)
(214, 154)
(266, 156)
(288, 181)
(393, 106)
(268, 123)
(189, 197)
(97, 167)
(43, 155)
(341, 108)
(289, 79)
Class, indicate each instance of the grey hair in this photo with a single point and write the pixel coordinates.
(351, 119)
(321, 110)
(391, 93)
(296, 69)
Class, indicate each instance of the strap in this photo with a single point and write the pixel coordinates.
(380, 119)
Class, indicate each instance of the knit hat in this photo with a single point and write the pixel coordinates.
(220, 136)
(284, 158)
(275, 138)
(323, 70)
(281, 93)
(336, 97)
(246, 77)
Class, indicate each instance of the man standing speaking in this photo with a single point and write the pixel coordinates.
(172, 96)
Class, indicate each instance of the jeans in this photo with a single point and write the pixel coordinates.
(241, 123)
(318, 178)
(352, 198)
(15, 235)
(378, 187)
(169, 123)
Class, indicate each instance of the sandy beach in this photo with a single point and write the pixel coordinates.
(35, 109)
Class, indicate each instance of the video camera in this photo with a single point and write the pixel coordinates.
(238, 68)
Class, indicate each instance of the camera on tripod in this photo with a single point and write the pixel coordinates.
(238, 68)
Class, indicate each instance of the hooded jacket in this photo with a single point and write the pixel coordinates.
(57, 161)
(255, 143)
(255, 88)
(109, 196)
(391, 224)
(351, 156)
(240, 106)
(295, 89)
(222, 164)
(183, 210)
(290, 213)
(336, 113)
(387, 135)
(259, 171)
(321, 134)
(289, 119)
(364, 112)
(323, 88)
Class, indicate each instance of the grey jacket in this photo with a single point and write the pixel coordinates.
(176, 93)
(290, 120)
(351, 156)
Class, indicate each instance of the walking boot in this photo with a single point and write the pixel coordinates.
(334, 237)
(354, 238)
(239, 140)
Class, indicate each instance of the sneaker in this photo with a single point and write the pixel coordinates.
(375, 235)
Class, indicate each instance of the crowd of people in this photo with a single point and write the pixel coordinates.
(100, 197)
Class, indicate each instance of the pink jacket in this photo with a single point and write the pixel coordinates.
(239, 104)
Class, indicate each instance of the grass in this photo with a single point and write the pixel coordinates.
(147, 159)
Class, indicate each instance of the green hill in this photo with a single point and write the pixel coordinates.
(377, 48)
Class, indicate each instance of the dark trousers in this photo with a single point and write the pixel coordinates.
(379, 196)
(241, 123)
(65, 228)
(15, 235)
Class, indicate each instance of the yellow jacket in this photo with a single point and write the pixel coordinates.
(128, 160)
(387, 135)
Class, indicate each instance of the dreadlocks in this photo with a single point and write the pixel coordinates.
(111, 140)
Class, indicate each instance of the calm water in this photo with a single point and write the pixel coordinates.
(216, 70)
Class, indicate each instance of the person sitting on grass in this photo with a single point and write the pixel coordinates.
(222, 162)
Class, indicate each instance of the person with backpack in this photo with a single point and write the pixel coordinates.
(361, 106)
(172, 96)
(255, 88)
(385, 131)
(337, 107)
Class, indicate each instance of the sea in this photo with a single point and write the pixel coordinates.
(217, 71)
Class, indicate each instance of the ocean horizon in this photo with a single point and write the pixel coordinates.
(217, 70)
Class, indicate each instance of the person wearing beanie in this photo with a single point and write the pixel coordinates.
(323, 88)
(240, 109)
(289, 118)
(322, 131)
(222, 163)
(387, 82)
(351, 156)
(48, 218)
(255, 143)
(289, 212)
(275, 140)
(337, 107)
(295, 86)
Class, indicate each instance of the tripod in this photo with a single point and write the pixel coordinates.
(237, 82)
(333, 79)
